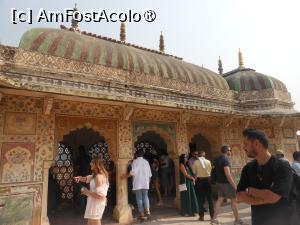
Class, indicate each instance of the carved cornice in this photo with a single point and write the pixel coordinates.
(44, 73)
(23, 61)
(120, 92)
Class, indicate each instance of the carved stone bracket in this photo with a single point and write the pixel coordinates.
(227, 121)
(282, 121)
(128, 112)
(247, 123)
(185, 117)
(48, 105)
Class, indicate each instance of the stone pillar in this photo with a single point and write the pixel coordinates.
(123, 212)
(44, 216)
(182, 148)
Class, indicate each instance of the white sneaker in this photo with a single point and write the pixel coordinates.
(214, 222)
(240, 222)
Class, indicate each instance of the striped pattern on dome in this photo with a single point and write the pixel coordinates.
(77, 46)
(244, 79)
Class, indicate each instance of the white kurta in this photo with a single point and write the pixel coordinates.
(141, 173)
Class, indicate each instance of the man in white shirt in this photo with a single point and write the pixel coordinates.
(296, 164)
(141, 174)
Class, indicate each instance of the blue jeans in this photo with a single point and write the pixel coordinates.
(142, 199)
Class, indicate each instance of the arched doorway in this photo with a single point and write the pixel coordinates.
(157, 150)
(75, 150)
(201, 143)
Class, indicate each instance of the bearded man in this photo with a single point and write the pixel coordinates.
(266, 184)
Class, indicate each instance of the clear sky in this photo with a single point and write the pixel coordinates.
(267, 31)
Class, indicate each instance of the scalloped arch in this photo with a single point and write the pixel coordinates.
(171, 146)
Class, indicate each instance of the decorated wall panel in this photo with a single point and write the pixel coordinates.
(87, 109)
(231, 133)
(182, 139)
(22, 204)
(20, 123)
(17, 103)
(289, 149)
(125, 140)
(238, 158)
(18, 209)
(155, 115)
(17, 160)
(288, 133)
(232, 136)
(205, 120)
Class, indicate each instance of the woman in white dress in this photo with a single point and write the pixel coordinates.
(96, 196)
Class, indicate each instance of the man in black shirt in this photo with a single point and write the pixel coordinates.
(266, 184)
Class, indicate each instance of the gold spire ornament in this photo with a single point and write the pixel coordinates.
(122, 32)
(74, 22)
(161, 43)
(241, 60)
(220, 66)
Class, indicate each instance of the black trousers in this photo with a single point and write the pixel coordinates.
(204, 192)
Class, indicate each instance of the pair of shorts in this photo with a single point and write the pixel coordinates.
(225, 190)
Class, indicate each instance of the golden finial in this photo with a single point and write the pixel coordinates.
(220, 66)
(241, 60)
(161, 43)
(122, 32)
(74, 22)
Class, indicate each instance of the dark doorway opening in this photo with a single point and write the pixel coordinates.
(65, 203)
(202, 143)
(162, 191)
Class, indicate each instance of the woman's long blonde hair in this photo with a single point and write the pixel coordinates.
(99, 167)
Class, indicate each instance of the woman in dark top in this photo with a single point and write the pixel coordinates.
(188, 198)
(155, 179)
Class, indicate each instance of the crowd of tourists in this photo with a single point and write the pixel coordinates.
(269, 183)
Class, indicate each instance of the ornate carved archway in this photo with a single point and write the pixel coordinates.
(105, 128)
(170, 142)
(212, 135)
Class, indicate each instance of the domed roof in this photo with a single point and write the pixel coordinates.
(105, 51)
(245, 79)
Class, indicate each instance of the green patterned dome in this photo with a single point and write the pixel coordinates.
(245, 79)
(104, 51)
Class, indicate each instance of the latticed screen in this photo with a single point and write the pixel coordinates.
(63, 171)
(146, 147)
(100, 149)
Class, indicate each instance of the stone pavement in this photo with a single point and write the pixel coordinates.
(225, 217)
(160, 216)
